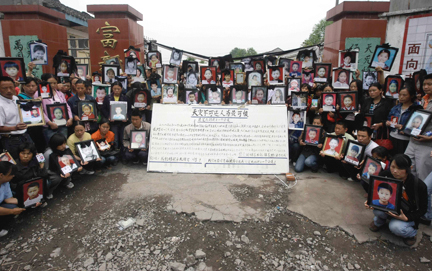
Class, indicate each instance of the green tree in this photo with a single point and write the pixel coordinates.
(189, 58)
(317, 35)
(240, 52)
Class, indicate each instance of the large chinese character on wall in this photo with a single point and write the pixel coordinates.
(108, 34)
(417, 45)
(366, 47)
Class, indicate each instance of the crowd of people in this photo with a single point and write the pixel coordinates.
(401, 156)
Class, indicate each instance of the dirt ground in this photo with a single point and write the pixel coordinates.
(78, 231)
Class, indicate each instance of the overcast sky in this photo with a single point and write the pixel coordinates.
(216, 27)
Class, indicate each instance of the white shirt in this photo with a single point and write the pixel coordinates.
(29, 201)
(9, 115)
(372, 145)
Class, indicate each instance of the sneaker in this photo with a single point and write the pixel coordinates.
(70, 185)
(50, 196)
(3, 233)
(425, 221)
(350, 179)
(294, 163)
(136, 162)
(410, 241)
(144, 163)
(373, 227)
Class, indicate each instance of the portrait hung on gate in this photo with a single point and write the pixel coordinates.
(254, 79)
(176, 57)
(170, 74)
(227, 78)
(154, 59)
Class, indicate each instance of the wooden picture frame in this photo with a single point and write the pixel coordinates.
(7, 157)
(31, 112)
(333, 145)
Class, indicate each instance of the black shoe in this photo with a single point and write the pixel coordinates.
(425, 221)
(410, 241)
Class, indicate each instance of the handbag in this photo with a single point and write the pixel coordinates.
(385, 142)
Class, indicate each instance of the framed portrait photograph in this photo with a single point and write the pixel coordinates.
(385, 194)
(99, 91)
(368, 120)
(355, 152)
(322, 72)
(169, 94)
(259, 95)
(138, 140)
(227, 78)
(238, 67)
(247, 61)
(31, 192)
(87, 110)
(191, 96)
(58, 113)
(82, 71)
(254, 79)
(418, 78)
(39, 53)
(190, 66)
(298, 101)
(64, 68)
(131, 65)
(118, 111)
(271, 60)
(102, 144)
(348, 59)
(276, 75)
(31, 112)
(371, 167)
(369, 78)
(239, 94)
(115, 60)
(417, 122)
(97, 78)
(258, 65)
(6, 157)
(285, 62)
(296, 120)
(192, 79)
(67, 164)
(133, 52)
(328, 102)
(393, 84)
(170, 74)
(176, 57)
(140, 75)
(384, 57)
(296, 68)
(347, 101)
(44, 90)
(293, 85)
(240, 78)
(307, 58)
(155, 87)
(140, 99)
(216, 62)
(154, 59)
(109, 73)
(13, 67)
(332, 145)
(341, 78)
(312, 134)
(208, 75)
(308, 78)
(214, 95)
(278, 94)
(314, 102)
(87, 150)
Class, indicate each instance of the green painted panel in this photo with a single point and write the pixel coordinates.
(366, 47)
(19, 46)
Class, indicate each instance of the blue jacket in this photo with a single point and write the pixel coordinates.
(396, 111)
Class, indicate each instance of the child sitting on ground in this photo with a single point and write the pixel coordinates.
(104, 134)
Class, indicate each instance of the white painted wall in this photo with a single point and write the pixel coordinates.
(394, 36)
(2, 48)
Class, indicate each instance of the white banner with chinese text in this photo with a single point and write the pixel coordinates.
(219, 139)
